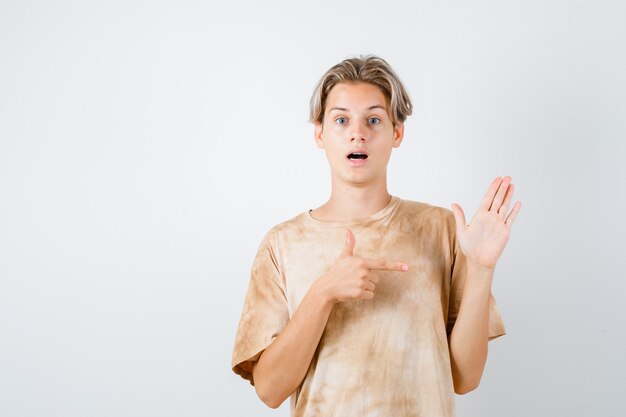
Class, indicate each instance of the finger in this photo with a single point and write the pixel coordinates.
(507, 200)
(497, 201)
(386, 265)
(348, 248)
(373, 276)
(511, 218)
(491, 191)
(459, 216)
(369, 285)
(367, 295)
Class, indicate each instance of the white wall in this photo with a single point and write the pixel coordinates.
(146, 147)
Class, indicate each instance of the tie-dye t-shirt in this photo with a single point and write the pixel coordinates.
(387, 356)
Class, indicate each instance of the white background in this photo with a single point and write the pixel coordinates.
(146, 148)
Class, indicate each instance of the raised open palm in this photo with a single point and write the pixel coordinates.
(483, 240)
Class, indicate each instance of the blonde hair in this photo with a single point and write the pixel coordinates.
(367, 69)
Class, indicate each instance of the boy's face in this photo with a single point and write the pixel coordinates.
(356, 119)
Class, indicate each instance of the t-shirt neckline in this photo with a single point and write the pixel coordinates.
(384, 212)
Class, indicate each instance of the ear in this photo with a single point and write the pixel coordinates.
(319, 135)
(398, 134)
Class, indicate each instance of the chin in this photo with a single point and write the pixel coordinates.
(358, 179)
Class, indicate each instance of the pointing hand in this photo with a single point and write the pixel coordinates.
(351, 277)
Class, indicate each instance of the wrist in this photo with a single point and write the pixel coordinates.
(479, 267)
(480, 272)
(322, 294)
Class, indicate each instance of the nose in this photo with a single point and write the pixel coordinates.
(358, 134)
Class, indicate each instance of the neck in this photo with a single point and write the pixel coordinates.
(352, 202)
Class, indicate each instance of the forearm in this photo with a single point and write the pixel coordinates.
(283, 365)
(470, 335)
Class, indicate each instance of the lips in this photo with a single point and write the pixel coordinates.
(357, 154)
(357, 157)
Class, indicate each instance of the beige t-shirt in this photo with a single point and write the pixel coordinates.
(387, 356)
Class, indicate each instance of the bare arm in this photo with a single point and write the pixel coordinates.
(284, 363)
(469, 336)
(482, 243)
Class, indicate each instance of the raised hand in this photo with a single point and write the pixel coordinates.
(484, 239)
(351, 277)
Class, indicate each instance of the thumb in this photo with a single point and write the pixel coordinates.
(349, 246)
(459, 216)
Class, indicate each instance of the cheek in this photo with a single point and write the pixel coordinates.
(384, 154)
(332, 152)
(334, 130)
(333, 143)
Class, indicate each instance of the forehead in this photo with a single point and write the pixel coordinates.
(355, 96)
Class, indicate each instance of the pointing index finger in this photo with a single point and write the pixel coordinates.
(386, 265)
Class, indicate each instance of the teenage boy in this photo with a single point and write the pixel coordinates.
(371, 305)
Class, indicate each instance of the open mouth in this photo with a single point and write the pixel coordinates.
(357, 155)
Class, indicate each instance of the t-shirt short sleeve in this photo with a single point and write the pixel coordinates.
(265, 310)
(459, 271)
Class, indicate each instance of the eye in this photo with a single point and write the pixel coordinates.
(341, 120)
(373, 120)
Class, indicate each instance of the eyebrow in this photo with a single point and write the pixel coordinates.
(376, 106)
